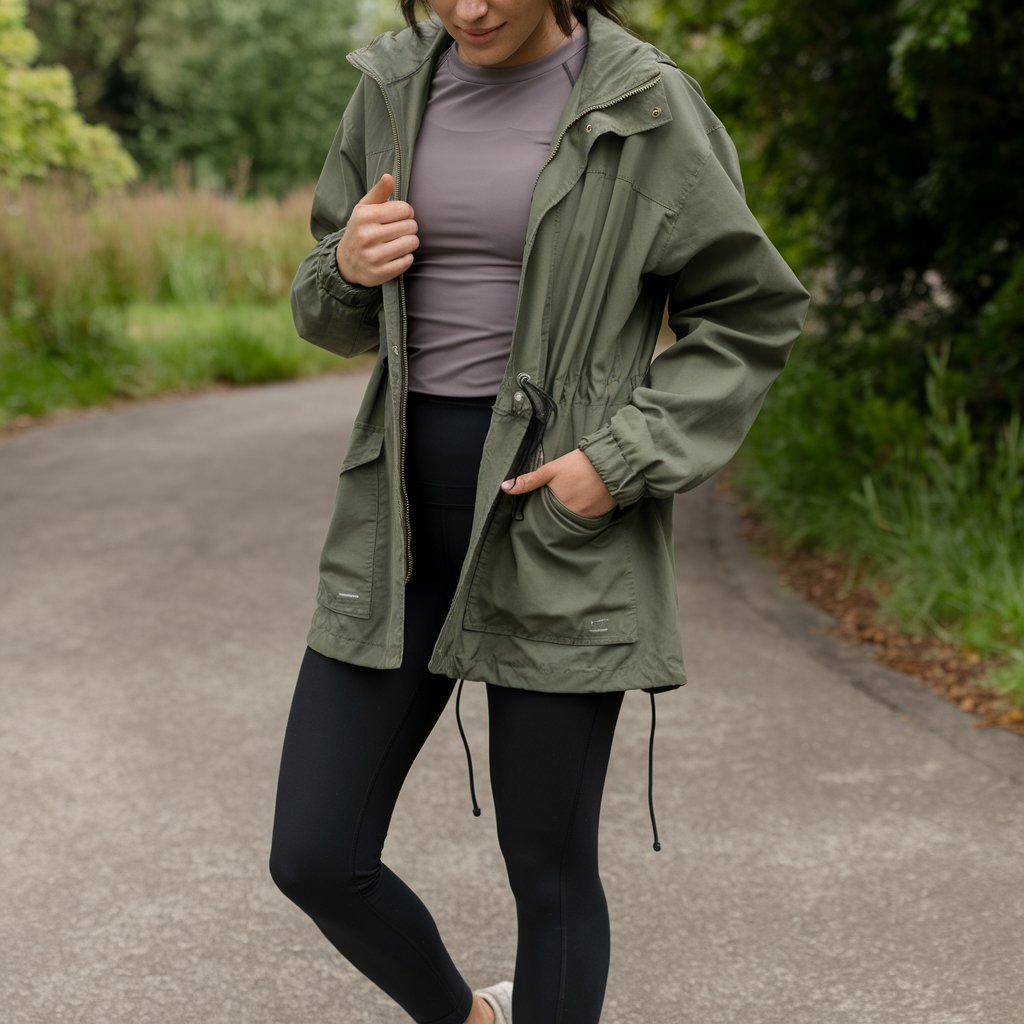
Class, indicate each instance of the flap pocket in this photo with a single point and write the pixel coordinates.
(554, 576)
(347, 559)
(364, 447)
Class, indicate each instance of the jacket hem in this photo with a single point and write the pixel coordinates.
(517, 676)
(355, 652)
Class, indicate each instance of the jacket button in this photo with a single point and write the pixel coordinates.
(394, 348)
(590, 128)
(517, 397)
(656, 112)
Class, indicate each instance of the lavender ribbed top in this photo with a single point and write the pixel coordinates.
(485, 135)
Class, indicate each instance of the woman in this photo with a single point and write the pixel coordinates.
(516, 190)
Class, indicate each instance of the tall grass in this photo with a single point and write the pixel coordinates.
(81, 279)
(59, 248)
(909, 497)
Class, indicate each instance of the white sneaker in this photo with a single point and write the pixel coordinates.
(499, 998)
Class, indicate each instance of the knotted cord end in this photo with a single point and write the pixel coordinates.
(469, 756)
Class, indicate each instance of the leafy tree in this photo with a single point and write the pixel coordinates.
(97, 41)
(40, 129)
(893, 131)
(255, 80)
(221, 84)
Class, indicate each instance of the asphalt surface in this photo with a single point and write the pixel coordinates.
(840, 846)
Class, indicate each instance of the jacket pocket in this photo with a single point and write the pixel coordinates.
(346, 563)
(555, 576)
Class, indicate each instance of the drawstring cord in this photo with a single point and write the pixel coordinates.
(650, 779)
(469, 756)
(543, 410)
(544, 407)
(650, 764)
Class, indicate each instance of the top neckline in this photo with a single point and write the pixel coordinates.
(520, 72)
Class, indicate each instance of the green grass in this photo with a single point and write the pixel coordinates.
(909, 499)
(151, 290)
(34, 386)
(148, 349)
(190, 346)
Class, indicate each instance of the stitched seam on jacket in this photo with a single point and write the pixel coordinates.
(632, 184)
(687, 192)
(337, 634)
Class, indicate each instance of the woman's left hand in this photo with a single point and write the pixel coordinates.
(573, 481)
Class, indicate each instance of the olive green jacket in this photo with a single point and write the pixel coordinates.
(640, 203)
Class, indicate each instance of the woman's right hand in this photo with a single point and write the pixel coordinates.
(379, 239)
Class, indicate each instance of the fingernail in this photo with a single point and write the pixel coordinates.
(508, 485)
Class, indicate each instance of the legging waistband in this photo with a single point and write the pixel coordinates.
(445, 441)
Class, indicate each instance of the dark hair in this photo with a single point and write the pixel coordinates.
(564, 11)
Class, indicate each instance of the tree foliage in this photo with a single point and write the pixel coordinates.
(883, 141)
(222, 84)
(40, 129)
(892, 131)
(96, 41)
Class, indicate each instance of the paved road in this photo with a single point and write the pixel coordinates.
(840, 846)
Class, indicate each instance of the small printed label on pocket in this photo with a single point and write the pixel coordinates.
(598, 626)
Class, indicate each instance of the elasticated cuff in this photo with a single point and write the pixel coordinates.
(329, 278)
(624, 485)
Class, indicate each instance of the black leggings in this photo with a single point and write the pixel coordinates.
(352, 735)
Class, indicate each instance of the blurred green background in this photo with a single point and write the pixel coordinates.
(156, 168)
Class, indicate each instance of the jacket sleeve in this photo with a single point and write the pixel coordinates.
(327, 310)
(736, 310)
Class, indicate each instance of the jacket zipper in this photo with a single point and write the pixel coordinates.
(558, 142)
(406, 530)
(522, 378)
(401, 284)
(589, 110)
(526, 255)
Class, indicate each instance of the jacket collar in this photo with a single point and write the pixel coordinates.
(616, 62)
(393, 56)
